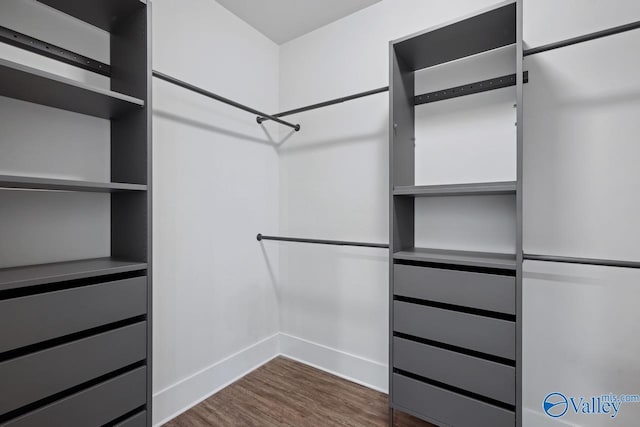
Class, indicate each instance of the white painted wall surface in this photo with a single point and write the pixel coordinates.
(215, 187)
(582, 104)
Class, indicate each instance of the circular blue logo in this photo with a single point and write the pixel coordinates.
(555, 405)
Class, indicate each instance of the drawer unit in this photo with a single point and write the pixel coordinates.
(483, 334)
(476, 375)
(446, 407)
(30, 378)
(95, 406)
(49, 315)
(483, 291)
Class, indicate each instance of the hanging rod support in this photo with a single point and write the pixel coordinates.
(583, 38)
(222, 99)
(263, 118)
(261, 237)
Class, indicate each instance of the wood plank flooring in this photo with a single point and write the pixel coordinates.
(287, 393)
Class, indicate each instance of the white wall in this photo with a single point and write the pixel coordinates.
(580, 199)
(215, 187)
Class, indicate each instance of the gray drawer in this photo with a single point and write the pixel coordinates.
(51, 315)
(93, 407)
(38, 375)
(469, 331)
(138, 420)
(477, 290)
(473, 374)
(446, 407)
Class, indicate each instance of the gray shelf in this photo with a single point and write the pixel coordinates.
(103, 14)
(472, 259)
(40, 87)
(33, 275)
(33, 183)
(478, 188)
(481, 32)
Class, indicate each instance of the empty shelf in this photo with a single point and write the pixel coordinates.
(33, 183)
(101, 13)
(20, 277)
(473, 259)
(482, 32)
(478, 188)
(40, 87)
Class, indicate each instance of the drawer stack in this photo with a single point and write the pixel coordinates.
(73, 352)
(454, 344)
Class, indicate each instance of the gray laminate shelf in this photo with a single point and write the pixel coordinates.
(40, 87)
(33, 183)
(33, 275)
(479, 188)
(472, 259)
(103, 14)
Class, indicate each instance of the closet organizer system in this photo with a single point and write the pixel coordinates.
(455, 316)
(75, 341)
(76, 346)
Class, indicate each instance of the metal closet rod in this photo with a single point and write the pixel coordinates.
(326, 103)
(532, 257)
(527, 52)
(584, 38)
(217, 97)
(585, 261)
(261, 237)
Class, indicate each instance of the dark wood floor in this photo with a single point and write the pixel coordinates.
(288, 393)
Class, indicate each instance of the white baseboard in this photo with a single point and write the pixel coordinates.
(188, 392)
(371, 374)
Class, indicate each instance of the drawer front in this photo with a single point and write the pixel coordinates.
(138, 420)
(483, 334)
(50, 315)
(477, 290)
(446, 407)
(473, 374)
(38, 375)
(93, 407)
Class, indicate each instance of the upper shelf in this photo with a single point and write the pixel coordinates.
(33, 183)
(34, 85)
(33, 275)
(472, 259)
(101, 13)
(480, 188)
(481, 32)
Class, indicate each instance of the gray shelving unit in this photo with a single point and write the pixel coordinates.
(454, 315)
(76, 346)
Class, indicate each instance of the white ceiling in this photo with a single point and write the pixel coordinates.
(284, 20)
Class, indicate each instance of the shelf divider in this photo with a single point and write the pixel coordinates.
(40, 274)
(34, 183)
(33, 85)
(468, 189)
(466, 258)
(104, 14)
